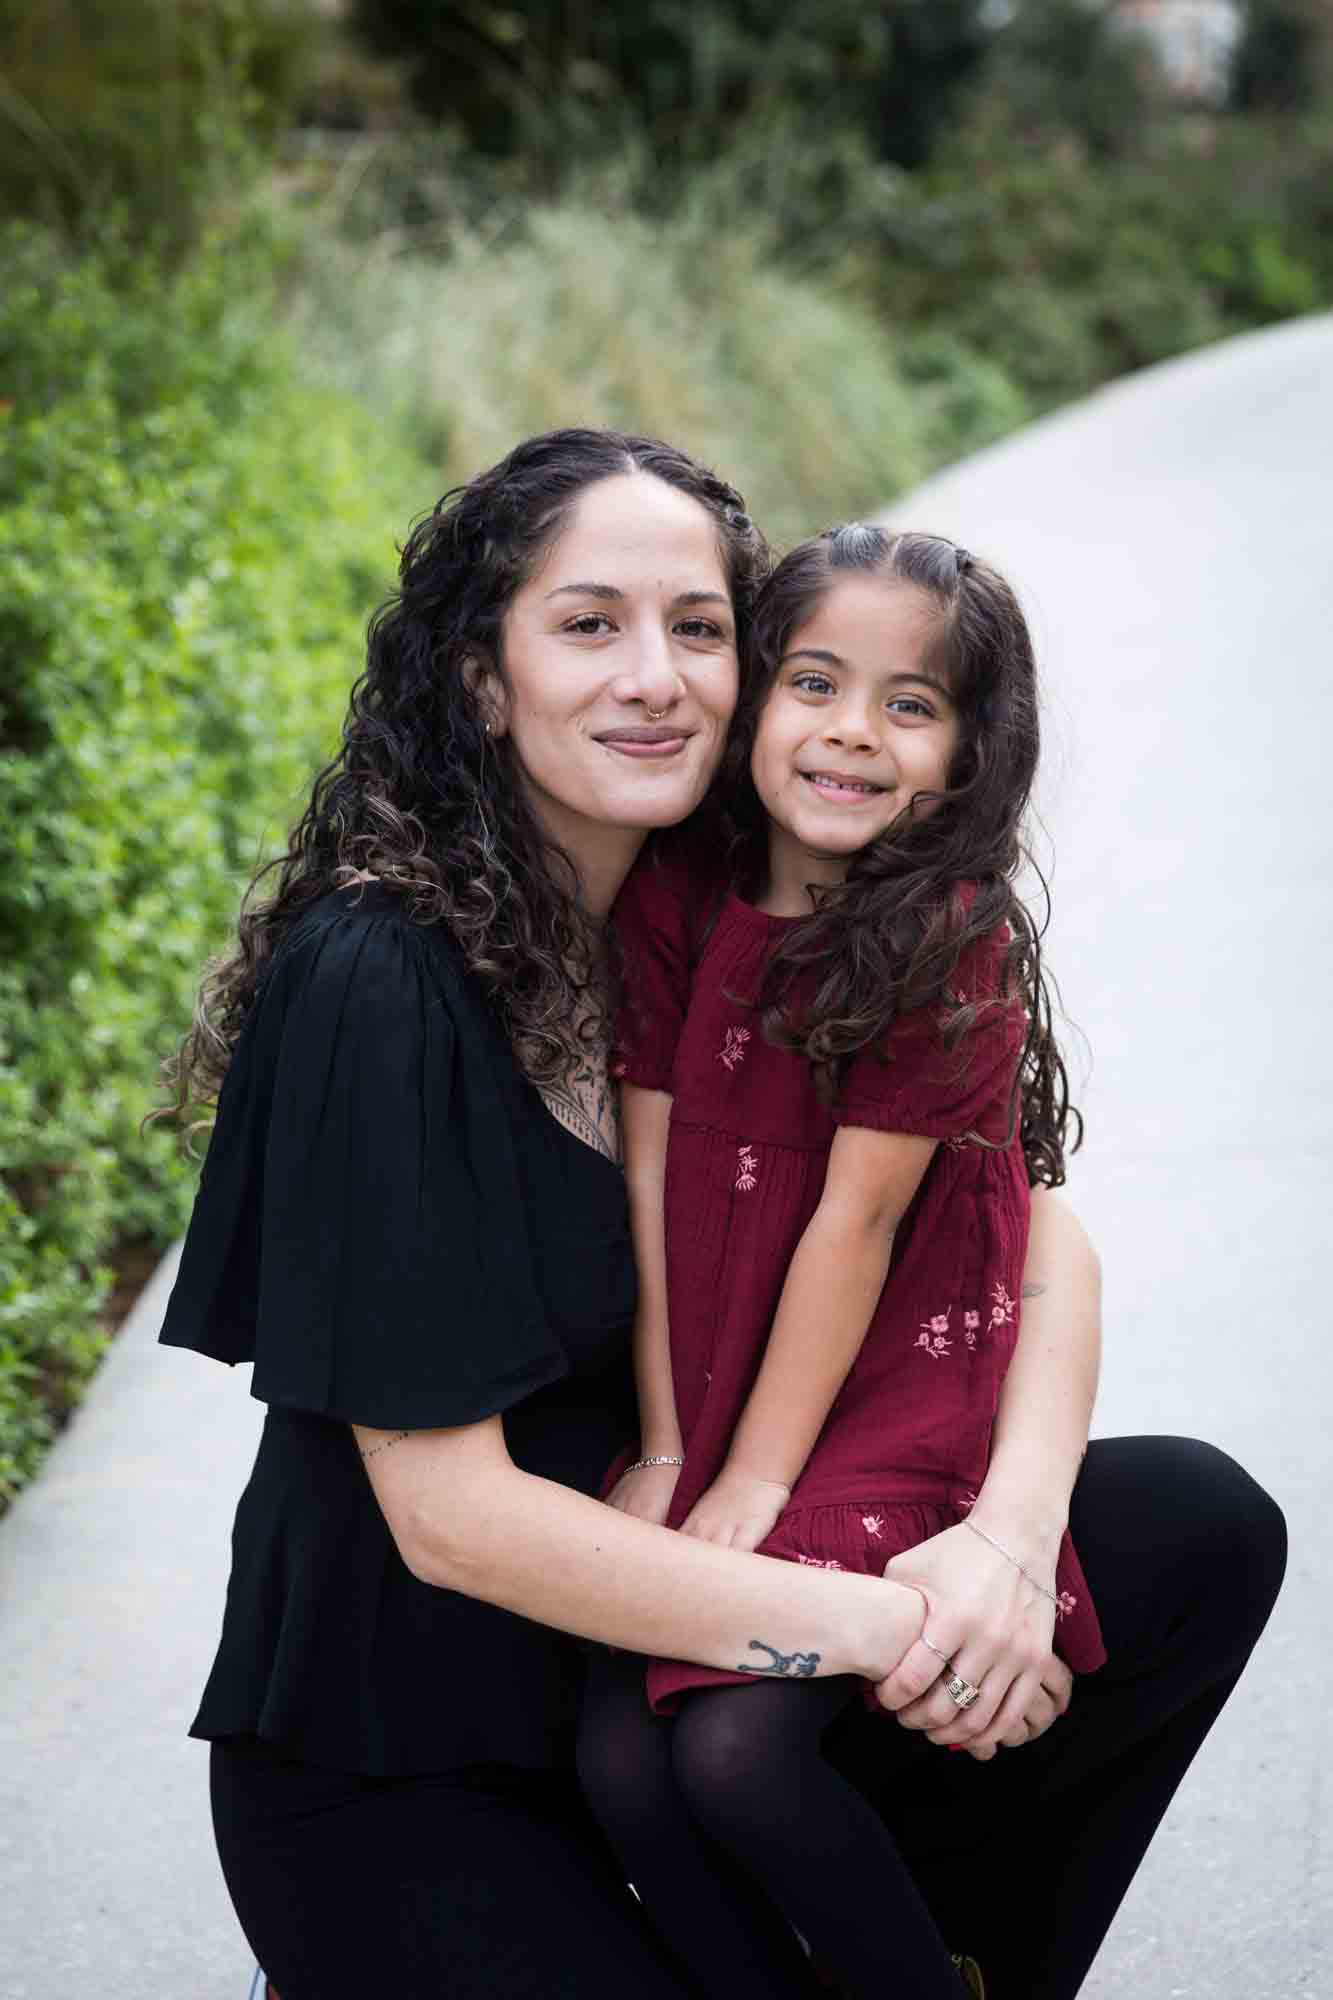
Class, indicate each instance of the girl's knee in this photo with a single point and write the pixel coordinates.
(717, 1753)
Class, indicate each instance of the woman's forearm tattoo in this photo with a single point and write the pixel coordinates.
(384, 1444)
(787, 1666)
(1033, 1288)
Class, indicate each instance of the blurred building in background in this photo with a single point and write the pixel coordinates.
(1194, 41)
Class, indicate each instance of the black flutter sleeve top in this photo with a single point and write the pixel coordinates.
(396, 1231)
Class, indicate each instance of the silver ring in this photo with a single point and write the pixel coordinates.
(960, 1692)
(930, 1645)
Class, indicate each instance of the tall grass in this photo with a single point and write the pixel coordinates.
(576, 316)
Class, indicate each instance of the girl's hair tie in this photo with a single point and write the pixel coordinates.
(963, 559)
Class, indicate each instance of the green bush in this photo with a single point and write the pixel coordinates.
(1064, 272)
(190, 541)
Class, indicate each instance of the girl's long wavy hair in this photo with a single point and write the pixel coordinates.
(421, 798)
(889, 938)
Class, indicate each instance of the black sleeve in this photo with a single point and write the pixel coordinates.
(393, 1282)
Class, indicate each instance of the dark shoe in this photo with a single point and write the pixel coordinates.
(970, 1973)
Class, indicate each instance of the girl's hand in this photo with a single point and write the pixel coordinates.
(737, 1511)
(994, 1626)
(646, 1493)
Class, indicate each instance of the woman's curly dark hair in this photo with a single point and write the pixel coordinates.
(889, 938)
(420, 797)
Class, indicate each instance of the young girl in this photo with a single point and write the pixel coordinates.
(839, 1080)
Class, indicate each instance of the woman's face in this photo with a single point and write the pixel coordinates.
(619, 674)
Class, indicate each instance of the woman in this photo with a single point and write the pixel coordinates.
(411, 1218)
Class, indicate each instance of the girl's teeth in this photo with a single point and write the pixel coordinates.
(843, 785)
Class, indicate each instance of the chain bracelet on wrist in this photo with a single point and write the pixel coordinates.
(1021, 1567)
(642, 1464)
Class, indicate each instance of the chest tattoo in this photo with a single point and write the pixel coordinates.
(586, 1103)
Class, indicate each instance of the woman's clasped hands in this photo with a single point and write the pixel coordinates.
(989, 1625)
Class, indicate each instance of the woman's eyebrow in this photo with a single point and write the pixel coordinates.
(607, 592)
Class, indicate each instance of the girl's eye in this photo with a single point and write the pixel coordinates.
(699, 628)
(910, 704)
(589, 624)
(812, 683)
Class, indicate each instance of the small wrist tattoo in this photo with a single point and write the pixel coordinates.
(786, 1666)
(384, 1443)
(1033, 1288)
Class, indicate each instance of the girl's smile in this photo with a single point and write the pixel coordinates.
(857, 724)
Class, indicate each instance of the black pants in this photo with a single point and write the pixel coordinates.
(502, 1887)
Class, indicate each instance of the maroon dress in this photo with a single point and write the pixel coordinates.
(904, 1449)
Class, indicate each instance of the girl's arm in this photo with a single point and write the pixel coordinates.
(646, 1117)
(831, 1291)
(988, 1613)
(465, 1518)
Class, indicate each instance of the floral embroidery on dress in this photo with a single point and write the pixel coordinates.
(813, 1562)
(932, 1333)
(732, 1050)
(1002, 1312)
(971, 1321)
(873, 1525)
(747, 1169)
(1065, 1603)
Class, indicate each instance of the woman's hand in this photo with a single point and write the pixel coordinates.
(737, 1511)
(645, 1492)
(995, 1629)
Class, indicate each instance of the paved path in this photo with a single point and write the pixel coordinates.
(1173, 540)
(1174, 537)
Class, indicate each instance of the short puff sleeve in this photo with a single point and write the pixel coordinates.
(659, 918)
(360, 1228)
(918, 1084)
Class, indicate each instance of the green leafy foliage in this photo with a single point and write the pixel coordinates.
(190, 541)
(160, 105)
(1063, 271)
(557, 82)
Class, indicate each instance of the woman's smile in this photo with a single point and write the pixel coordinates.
(647, 741)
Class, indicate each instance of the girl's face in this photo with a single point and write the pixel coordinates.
(856, 723)
(619, 672)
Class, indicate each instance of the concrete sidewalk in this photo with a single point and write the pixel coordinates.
(1174, 537)
(112, 1571)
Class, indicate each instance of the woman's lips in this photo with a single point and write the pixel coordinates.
(840, 788)
(643, 740)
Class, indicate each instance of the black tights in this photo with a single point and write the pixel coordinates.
(1021, 1862)
(745, 1769)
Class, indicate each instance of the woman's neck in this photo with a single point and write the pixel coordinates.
(601, 855)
